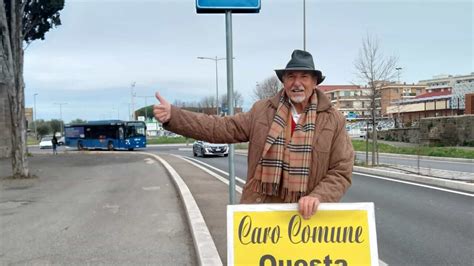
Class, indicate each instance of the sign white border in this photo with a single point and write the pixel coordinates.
(202, 6)
(366, 206)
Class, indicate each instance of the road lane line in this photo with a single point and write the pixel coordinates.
(215, 169)
(221, 178)
(205, 247)
(415, 184)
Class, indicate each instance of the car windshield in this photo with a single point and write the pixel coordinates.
(45, 139)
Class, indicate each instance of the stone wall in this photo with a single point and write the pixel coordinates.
(443, 131)
(448, 131)
(5, 124)
(410, 135)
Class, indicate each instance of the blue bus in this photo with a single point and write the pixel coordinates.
(107, 134)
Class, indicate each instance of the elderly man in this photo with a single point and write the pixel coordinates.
(299, 150)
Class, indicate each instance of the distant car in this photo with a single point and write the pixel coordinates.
(61, 141)
(46, 143)
(202, 148)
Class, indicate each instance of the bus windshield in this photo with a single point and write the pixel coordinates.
(135, 129)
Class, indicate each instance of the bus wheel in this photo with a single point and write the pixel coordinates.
(110, 146)
(79, 146)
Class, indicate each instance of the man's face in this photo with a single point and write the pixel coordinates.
(299, 86)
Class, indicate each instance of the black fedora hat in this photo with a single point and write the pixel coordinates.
(302, 61)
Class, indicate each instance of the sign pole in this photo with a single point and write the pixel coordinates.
(230, 99)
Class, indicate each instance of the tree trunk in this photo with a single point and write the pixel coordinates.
(12, 76)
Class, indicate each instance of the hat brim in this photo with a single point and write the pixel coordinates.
(319, 75)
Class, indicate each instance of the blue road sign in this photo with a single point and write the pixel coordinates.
(220, 6)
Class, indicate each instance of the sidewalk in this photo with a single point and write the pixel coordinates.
(88, 209)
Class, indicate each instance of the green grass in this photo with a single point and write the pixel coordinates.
(359, 145)
(169, 140)
(32, 141)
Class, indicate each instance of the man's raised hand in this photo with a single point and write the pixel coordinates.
(162, 111)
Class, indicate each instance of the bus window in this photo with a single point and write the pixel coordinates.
(121, 135)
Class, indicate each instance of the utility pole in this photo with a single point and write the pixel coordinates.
(304, 25)
(400, 100)
(34, 114)
(398, 72)
(215, 59)
(61, 115)
(132, 94)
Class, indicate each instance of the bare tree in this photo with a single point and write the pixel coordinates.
(375, 69)
(238, 99)
(208, 102)
(267, 88)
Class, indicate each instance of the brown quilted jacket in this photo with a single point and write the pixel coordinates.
(333, 155)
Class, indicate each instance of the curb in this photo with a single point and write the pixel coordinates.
(457, 185)
(434, 158)
(206, 250)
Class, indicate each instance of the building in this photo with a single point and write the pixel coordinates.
(444, 96)
(469, 104)
(444, 82)
(351, 100)
(398, 93)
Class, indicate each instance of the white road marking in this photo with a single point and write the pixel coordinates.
(151, 188)
(216, 169)
(416, 184)
(149, 161)
(112, 208)
(221, 178)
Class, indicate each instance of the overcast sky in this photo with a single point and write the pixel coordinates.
(91, 60)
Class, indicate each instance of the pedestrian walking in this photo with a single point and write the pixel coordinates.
(54, 141)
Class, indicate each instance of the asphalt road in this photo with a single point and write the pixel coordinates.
(87, 209)
(415, 225)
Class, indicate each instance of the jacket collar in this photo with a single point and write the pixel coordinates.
(323, 101)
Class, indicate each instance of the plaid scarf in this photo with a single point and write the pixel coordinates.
(283, 169)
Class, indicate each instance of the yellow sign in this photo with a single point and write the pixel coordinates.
(276, 235)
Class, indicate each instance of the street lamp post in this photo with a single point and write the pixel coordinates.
(34, 114)
(398, 72)
(400, 100)
(132, 94)
(215, 59)
(61, 115)
(304, 25)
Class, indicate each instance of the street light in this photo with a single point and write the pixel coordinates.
(398, 72)
(61, 115)
(34, 114)
(215, 59)
(304, 25)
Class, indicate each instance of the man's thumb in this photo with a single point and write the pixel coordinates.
(161, 99)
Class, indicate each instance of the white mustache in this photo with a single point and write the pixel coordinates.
(297, 89)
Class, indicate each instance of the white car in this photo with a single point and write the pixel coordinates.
(46, 143)
(204, 149)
